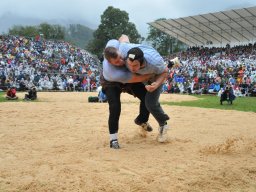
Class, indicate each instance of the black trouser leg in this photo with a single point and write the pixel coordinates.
(113, 95)
(139, 90)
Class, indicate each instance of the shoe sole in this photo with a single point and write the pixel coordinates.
(146, 128)
(144, 125)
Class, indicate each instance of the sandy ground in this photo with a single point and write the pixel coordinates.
(61, 143)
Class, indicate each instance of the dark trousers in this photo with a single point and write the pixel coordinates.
(113, 93)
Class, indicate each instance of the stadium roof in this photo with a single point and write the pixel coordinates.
(234, 27)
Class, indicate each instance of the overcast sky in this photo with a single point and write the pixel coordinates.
(140, 12)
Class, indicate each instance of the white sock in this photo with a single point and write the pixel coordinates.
(113, 136)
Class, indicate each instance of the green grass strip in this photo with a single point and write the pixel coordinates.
(210, 101)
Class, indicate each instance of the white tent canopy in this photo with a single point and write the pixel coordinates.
(233, 27)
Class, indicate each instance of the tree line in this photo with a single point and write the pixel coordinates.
(76, 34)
(48, 31)
(114, 23)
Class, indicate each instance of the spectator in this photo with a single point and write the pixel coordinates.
(32, 94)
(11, 94)
(227, 95)
(253, 91)
(102, 96)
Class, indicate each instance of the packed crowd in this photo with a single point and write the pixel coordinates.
(209, 70)
(47, 65)
(55, 65)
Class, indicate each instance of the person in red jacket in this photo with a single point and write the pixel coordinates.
(11, 94)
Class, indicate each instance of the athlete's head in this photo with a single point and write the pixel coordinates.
(135, 59)
(113, 56)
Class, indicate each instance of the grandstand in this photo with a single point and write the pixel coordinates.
(234, 27)
(222, 52)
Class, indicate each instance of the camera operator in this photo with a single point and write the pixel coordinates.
(32, 94)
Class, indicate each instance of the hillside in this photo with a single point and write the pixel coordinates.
(78, 35)
(76, 31)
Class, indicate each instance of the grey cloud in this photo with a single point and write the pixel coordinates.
(88, 12)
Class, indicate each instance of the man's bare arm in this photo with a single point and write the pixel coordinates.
(161, 78)
(159, 81)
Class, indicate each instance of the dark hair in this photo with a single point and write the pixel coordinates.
(136, 54)
(110, 53)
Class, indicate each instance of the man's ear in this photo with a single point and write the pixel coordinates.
(142, 65)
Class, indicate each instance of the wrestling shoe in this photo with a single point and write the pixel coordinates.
(144, 126)
(166, 117)
(114, 144)
(162, 135)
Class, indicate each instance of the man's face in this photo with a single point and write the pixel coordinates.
(133, 66)
(117, 61)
